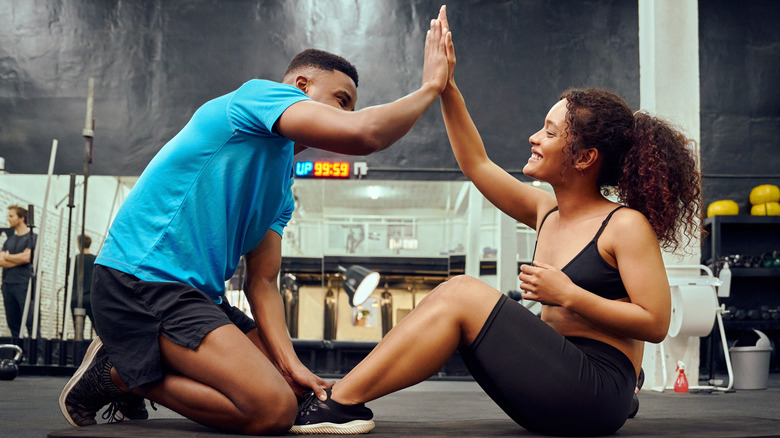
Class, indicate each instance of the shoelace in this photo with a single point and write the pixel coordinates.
(307, 402)
(113, 414)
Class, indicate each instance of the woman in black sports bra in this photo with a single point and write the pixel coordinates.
(597, 270)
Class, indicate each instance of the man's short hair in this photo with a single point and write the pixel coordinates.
(322, 60)
(87, 240)
(20, 211)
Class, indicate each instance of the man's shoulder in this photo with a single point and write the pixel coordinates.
(21, 237)
(267, 87)
(258, 82)
(19, 243)
(30, 239)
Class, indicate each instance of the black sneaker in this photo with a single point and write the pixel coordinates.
(132, 407)
(127, 407)
(328, 417)
(89, 389)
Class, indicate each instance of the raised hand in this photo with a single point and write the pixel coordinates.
(435, 64)
(448, 42)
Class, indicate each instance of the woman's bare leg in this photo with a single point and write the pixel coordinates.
(449, 316)
(227, 383)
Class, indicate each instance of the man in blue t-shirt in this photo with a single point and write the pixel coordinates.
(220, 190)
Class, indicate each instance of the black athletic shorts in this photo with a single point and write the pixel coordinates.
(548, 383)
(130, 314)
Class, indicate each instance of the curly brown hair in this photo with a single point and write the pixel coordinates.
(644, 159)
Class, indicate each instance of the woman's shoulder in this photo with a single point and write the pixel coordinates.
(627, 216)
(627, 222)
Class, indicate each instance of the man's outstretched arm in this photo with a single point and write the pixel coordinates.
(372, 129)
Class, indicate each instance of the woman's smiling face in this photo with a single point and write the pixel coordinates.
(548, 145)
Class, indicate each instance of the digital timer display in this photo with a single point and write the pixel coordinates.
(321, 169)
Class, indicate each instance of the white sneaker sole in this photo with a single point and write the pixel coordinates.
(354, 427)
(89, 359)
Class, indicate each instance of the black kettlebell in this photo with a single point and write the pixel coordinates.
(8, 368)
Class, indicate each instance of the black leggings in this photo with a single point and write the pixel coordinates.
(548, 383)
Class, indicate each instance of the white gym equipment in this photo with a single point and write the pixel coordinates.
(694, 310)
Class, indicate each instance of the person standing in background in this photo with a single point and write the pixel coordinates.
(16, 261)
(87, 281)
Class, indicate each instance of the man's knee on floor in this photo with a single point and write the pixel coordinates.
(274, 414)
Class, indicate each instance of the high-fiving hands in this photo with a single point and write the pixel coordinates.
(436, 68)
(448, 43)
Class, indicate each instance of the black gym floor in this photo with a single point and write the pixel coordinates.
(28, 408)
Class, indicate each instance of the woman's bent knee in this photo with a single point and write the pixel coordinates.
(462, 289)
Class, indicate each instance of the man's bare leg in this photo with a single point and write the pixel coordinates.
(227, 383)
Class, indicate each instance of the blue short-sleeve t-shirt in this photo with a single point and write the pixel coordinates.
(210, 194)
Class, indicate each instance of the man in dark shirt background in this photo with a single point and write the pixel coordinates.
(89, 263)
(16, 261)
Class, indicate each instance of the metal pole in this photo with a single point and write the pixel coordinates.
(89, 132)
(42, 239)
(31, 224)
(56, 270)
(72, 292)
(66, 304)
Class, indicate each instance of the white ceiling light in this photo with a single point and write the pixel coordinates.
(374, 192)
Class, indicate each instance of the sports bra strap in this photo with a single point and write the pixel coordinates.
(603, 224)
(545, 218)
(606, 220)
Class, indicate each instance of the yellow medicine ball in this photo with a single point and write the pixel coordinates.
(766, 209)
(764, 193)
(724, 207)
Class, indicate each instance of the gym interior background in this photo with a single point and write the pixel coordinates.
(412, 214)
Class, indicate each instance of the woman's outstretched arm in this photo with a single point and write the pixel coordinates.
(515, 198)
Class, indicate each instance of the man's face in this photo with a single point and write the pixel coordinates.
(332, 88)
(13, 219)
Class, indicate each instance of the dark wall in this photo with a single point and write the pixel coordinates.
(154, 62)
(739, 56)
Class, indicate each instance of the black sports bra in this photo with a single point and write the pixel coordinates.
(589, 270)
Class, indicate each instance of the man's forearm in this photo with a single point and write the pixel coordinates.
(18, 258)
(396, 119)
(268, 311)
(355, 133)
